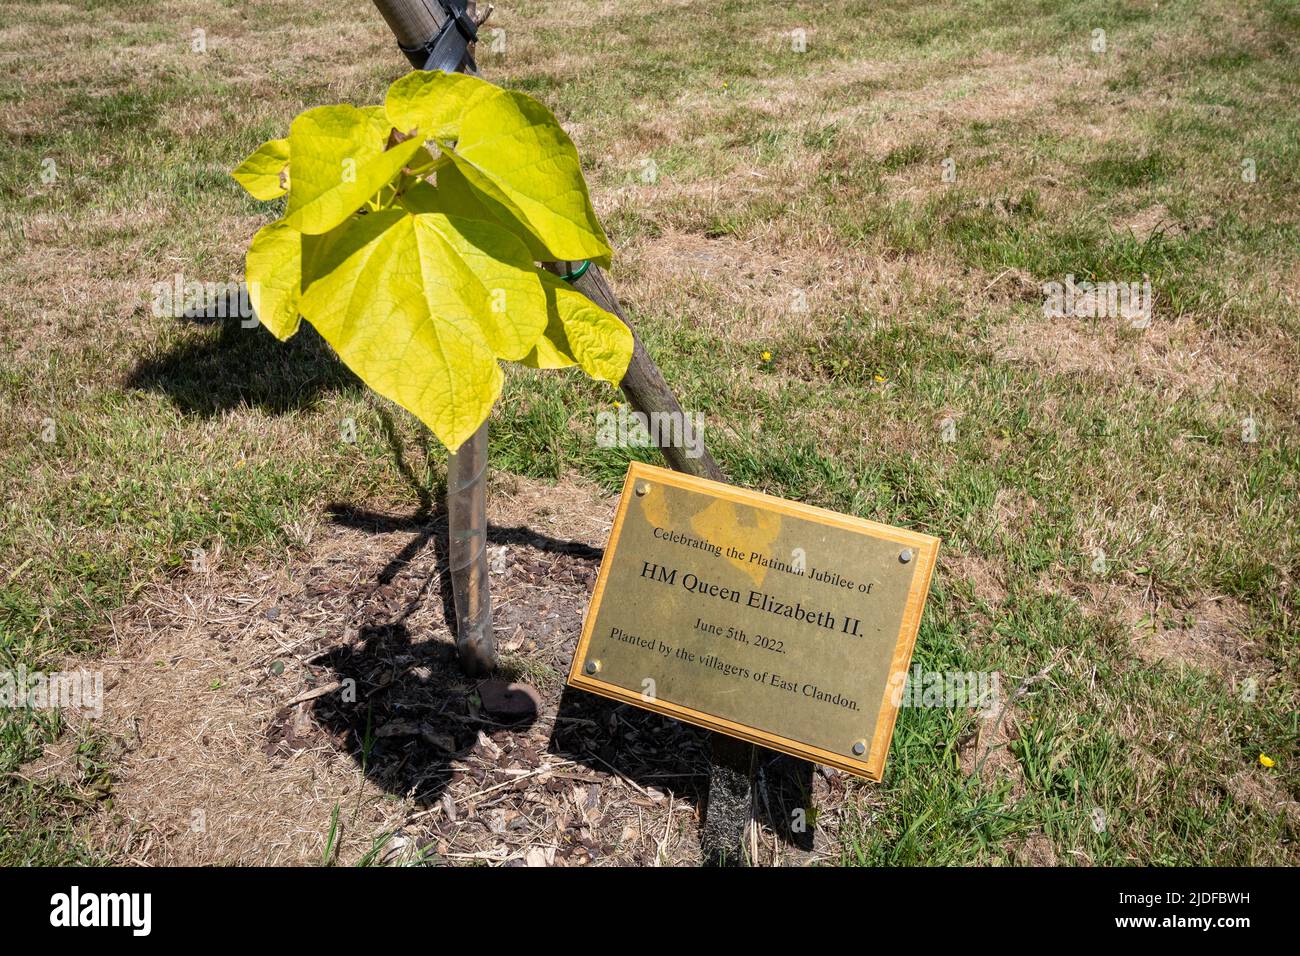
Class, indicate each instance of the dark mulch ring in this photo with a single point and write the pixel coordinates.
(317, 712)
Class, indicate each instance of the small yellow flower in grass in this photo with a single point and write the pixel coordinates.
(880, 378)
(618, 404)
(767, 356)
(1266, 761)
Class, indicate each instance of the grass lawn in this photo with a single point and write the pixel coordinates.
(837, 256)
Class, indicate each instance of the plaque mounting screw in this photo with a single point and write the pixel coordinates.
(905, 555)
(592, 667)
(859, 749)
(641, 488)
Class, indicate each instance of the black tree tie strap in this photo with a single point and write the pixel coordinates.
(449, 50)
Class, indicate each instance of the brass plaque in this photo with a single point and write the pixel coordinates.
(773, 621)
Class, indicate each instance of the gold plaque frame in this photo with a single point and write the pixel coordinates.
(923, 555)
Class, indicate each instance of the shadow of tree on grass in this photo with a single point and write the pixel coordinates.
(207, 375)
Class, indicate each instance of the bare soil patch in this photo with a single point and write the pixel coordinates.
(987, 578)
(1209, 633)
(987, 752)
(253, 710)
(1256, 789)
(1035, 850)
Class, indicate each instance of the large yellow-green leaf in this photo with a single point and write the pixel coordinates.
(488, 267)
(581, 332)
(337, 161)
(433, 102)
(278, 258)
(490, 272)
(511, 149)
(458, 197)
(273, 273)
(402, 315)
(261, 173)
(550, 350)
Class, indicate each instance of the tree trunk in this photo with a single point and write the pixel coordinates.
(414, 23)
(467, 552)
